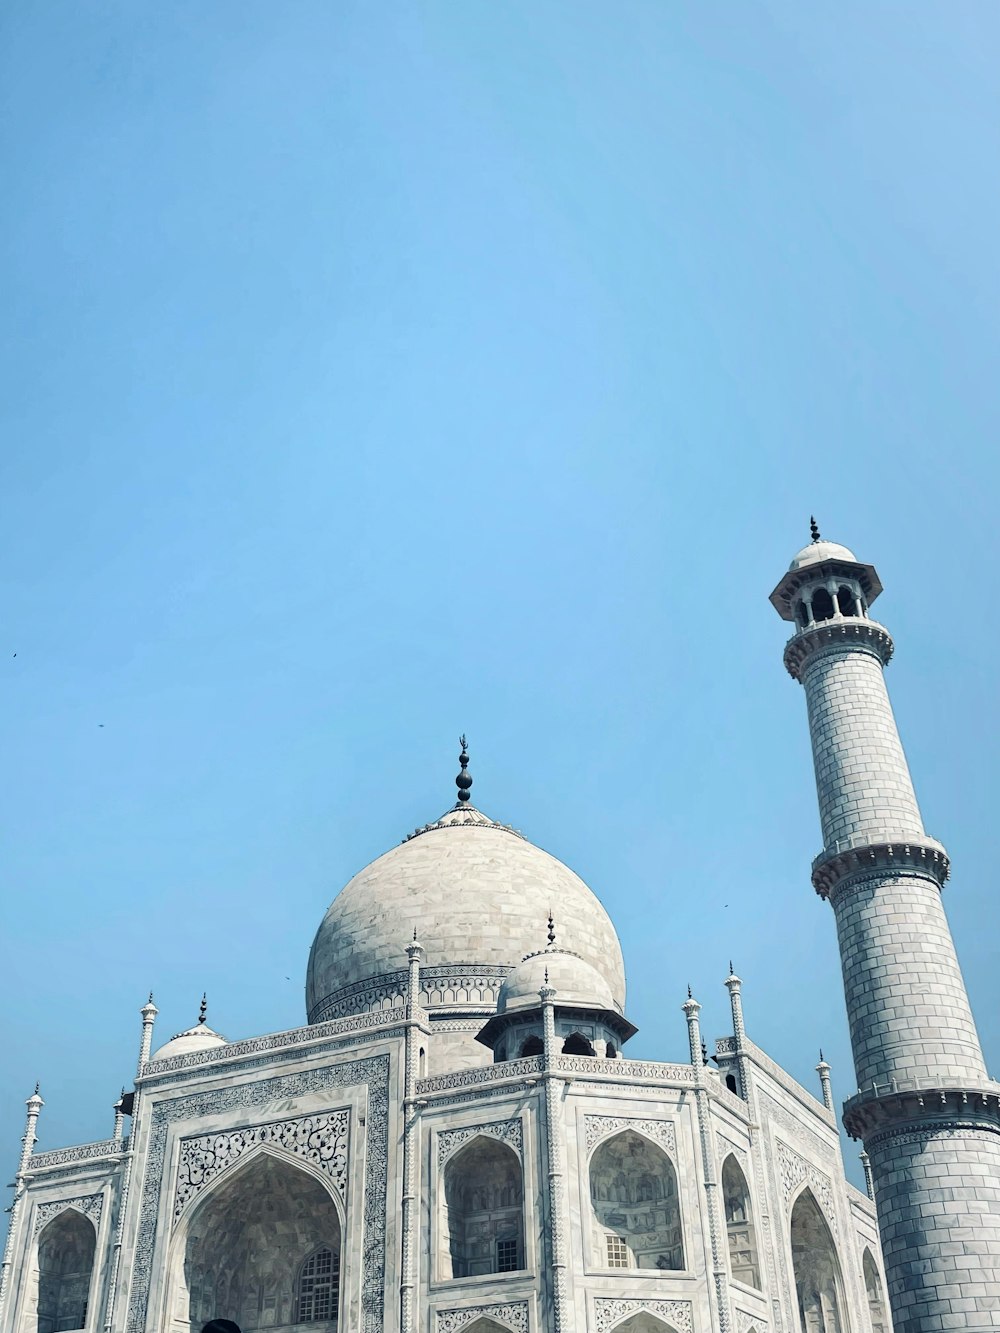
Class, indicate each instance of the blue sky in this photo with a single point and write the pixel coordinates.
(371, 373)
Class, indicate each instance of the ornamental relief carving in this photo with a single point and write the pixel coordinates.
(608, 1313)
(513, 1315)
(726, 1146)
(746, 1321)
(600, 1127)
(269, 1086)
(795, 1171)
(507, 1131)
(318, 1139)
(90, 1205)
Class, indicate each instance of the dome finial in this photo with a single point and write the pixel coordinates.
(813, 529)
(203, 1008)
(464, 780)
(552, 929)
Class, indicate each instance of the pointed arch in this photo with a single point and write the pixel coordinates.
(819, 1285)
(875, 1294)
(242, 1250)
(577, 1044)
(532, 1046)
(740, 1229)
(66, 1250)
(643, 1321)
(635, 1205)
(483, 1198)
(484, 1324)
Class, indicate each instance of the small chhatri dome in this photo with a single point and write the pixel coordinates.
(575, 981)
(476, 890)
(820, 550)
(198, 1038)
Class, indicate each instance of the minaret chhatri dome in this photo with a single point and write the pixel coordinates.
(475, 891)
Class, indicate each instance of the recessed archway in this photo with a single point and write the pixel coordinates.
(818, 1282)
(66, 1249)
(635, 1205)
(483, 1210)
(740, 1230)
(875, 1294)
(263, 1248)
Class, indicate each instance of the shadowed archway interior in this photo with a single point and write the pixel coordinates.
(636, 1210)
(818, 1283)
(263, 1249)
(65, 1266)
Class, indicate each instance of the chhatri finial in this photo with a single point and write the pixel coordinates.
(552, 929)
(464, 780)
(203, 1008)
(813, 529)
(689, 991)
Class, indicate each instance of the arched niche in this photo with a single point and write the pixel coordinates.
(532, 1046)
(66, 1248)
(485, 1325)
(643, 1322)
(875, 1294)
(263, 1248)
(577, 1044)
(635, 1206)
(818, 1283)
(483, 1210)
(740, 1230)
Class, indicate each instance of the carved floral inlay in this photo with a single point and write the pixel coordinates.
(600, 1127)
(512, 1314)
(507, 1131)
(795, 1171)
(608, 1313)
(90, 1205)
(319, 1139)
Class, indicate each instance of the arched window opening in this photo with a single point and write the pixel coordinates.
(533, 1046)
(636, 1210)
(500, 1054)
(739, 1224)
(643, 1322)
(822, 604)
(845, 601)
(611, 1051)
(422, 1064)
(262, 1249)
(876, 1298)
(731, 1084)
(818, 1283)
(65, 1266)
(485, 1325)
(801, 614)
(484, 1207)
(318, 1288)
(576, 1044)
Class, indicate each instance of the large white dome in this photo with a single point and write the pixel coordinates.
(478, 896)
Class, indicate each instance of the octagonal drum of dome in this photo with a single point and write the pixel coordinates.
(478, 895)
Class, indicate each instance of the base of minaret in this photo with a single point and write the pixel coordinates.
(935, 1163)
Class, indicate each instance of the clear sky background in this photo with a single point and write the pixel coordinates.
(375, 372)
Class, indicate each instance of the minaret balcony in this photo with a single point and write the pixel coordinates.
(835, 634)
(901, 1102)
(872, 852)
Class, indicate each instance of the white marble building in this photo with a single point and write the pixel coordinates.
(456, 1142)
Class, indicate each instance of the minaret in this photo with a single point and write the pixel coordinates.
(926, 1111)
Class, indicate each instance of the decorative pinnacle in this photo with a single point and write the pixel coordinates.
(689, 991)
(552, 929)
(203, 1008)
(464, 780)
(813, 529)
